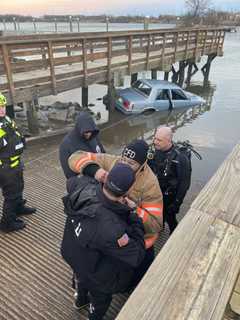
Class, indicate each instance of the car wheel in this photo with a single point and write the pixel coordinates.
(148, 111)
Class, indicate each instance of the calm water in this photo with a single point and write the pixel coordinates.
(41, 27)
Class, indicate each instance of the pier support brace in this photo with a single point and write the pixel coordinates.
(174, 75)
(85, 96)
(181, 72)
(206, 68)
(191, 72)
(32, 118)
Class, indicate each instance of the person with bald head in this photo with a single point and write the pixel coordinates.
(173, 170)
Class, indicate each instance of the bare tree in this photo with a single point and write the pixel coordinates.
(197, 8)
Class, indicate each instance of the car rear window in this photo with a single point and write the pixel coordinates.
(142, 87)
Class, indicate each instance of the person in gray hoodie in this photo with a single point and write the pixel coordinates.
(83, 137)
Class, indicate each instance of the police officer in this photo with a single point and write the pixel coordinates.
(103, 239)
(173, 170)
(11, 173)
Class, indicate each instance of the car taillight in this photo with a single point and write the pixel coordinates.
(128, 105)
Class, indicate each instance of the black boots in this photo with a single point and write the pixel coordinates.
(10, 226)
(10, 221)
(24, 210)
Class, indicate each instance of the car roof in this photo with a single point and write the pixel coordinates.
(160, 84)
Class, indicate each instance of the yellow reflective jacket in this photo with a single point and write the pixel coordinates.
(145, 191)
(11, 143)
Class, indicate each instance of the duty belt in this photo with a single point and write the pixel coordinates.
(12, 162)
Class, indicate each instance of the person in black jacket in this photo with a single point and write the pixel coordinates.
(12, 144)
(84, 137)
(103, 240)
(173, 170)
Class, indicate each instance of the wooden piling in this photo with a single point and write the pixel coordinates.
(174, 75)
(154, 74)
(206, 68)
(181, 72)
(166, 75)
(134, 77)
(189, 73)
(32, 119)
(10, 111)
(85, 96)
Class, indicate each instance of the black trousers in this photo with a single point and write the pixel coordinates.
(12, 185)
(169, 215)
(143, 267)
(99, 304)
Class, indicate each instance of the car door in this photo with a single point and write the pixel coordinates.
(179, 98)
(161, 101)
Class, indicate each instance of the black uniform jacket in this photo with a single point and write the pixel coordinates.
(173, 170)
(75, 141)
(93, 235)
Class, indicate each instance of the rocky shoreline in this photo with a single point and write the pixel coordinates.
(52, 117)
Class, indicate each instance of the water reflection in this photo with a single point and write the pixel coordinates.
(143, 126)
(205, 91)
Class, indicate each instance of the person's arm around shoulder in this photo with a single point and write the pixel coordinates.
(80, 160)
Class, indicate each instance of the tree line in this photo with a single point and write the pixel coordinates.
(197, 12)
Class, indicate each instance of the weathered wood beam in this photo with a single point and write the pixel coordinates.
(7, 65)
(52, 70)
(130, 55)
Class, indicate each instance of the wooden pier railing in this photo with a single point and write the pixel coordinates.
(194, 275)
(40, 65)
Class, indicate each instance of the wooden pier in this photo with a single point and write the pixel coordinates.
(39, 65)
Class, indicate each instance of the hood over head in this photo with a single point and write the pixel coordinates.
(82, 198)
(85, 123)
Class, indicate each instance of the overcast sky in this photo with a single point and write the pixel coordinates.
(117, 7)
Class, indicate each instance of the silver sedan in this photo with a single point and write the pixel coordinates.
(146, 95)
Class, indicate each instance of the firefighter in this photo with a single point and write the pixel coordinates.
(11, 173)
